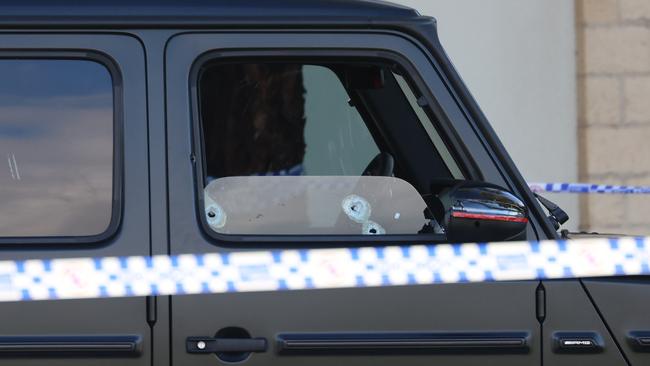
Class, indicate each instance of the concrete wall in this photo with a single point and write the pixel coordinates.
(614, 114)
(518, 59)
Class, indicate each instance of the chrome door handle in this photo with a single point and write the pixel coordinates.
(223, 345)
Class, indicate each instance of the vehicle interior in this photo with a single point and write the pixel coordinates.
(278, 122)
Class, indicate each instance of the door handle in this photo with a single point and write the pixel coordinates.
(225, 345)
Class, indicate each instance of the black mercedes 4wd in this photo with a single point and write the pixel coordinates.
(198, 126)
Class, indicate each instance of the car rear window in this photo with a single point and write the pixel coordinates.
(56, 141)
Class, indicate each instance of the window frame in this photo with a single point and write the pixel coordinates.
(118, 147)
(465, 162)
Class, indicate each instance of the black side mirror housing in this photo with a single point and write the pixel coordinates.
(481, 212)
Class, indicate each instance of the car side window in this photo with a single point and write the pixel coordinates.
(56, 140)
(293, 148)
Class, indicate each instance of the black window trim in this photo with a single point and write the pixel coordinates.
(242, 241)
(118, 160)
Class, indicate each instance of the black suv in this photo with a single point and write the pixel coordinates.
(137, 128)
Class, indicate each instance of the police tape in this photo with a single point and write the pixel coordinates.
(281, 270)
(587, 188)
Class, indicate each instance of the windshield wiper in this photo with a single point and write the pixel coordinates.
(557, 215)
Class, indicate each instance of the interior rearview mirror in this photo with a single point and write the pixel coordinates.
(480, 212)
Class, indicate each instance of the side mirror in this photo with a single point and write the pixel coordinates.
(480, 212)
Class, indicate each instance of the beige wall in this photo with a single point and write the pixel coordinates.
(613, 39)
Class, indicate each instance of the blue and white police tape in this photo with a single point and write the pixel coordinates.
(587, 188)
(320, 268)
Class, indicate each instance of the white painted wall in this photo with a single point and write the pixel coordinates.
(518, 59)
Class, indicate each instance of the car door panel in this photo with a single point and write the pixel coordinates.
(572, 318)
(623, 304)
(500, 314)
(462, 312)
(94, 331)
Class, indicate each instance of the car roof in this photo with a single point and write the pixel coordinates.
(216, 11)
